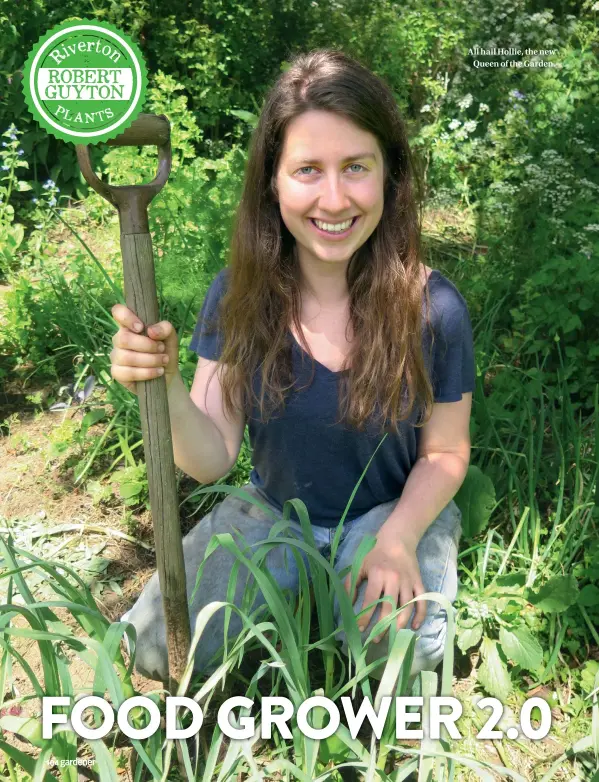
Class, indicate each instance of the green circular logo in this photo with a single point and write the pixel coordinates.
(85, 81)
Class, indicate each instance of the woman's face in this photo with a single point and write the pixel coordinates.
(330, 171)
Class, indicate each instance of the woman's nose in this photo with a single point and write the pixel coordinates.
(333, 196)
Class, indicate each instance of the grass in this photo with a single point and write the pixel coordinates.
(287, 668)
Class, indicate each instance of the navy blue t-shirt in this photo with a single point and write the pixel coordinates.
(304, 453)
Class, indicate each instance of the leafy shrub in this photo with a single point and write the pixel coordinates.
(518, 147)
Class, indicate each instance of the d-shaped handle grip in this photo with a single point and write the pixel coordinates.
(132, 200)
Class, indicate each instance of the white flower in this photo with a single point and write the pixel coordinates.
(587, 183)
(426, 107)
(465, 102)
(455, 123)
(470, 126)
(483, 107)
(593, 227)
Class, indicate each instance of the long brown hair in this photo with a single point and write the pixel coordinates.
(384, 276)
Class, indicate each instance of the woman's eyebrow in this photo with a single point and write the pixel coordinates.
(361, 156)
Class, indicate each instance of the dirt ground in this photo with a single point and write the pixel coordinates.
(39, 498)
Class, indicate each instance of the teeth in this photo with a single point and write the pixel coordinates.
(337, 228)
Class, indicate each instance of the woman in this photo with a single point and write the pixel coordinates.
(324, 332)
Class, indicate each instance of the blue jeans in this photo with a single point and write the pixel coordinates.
(437, 559)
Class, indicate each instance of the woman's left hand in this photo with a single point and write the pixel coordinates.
(391, 569)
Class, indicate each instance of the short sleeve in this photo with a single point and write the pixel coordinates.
(453, 350)
(207, 339)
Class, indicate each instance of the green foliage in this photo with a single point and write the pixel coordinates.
(518, 147)
(520, 580)
(495, 617)
(133, 484)
(11, 233)
(192, 220)
(559, 593)
(131, 165)
(587, 677)
(476, 500)
(96, 644)
(522, 647)
(493, 673)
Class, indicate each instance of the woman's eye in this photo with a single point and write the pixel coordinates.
(350, 166)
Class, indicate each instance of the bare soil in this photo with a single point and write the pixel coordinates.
(35, 492)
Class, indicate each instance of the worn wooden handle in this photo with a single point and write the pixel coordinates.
(140, 295)
(132, 203)
(146, 129)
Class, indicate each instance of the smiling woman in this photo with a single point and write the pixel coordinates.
(337, 196)
(326, 270)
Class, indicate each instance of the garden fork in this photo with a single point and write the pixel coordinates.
(132, 201)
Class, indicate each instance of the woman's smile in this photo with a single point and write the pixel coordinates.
(330, 230)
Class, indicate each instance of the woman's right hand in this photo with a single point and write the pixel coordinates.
(136, 357)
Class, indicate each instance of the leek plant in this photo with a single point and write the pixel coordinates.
(281, 632)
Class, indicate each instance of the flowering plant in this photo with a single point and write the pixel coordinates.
(11, 233)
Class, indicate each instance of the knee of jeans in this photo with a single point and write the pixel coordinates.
(151, 656)
(151, 651)
(430, 645)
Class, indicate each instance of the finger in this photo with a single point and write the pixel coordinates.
(347, 583)
(161, 330)
(125, 317)
(165, 331)
(134, 374)
(391, 590)
(421, 606)
(406, 594)
(373, 591)
(133, 358)
(127, 340)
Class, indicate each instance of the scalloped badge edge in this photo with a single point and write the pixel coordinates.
(49, 123)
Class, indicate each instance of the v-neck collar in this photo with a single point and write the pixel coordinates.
(316, 361)
(340, 371)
